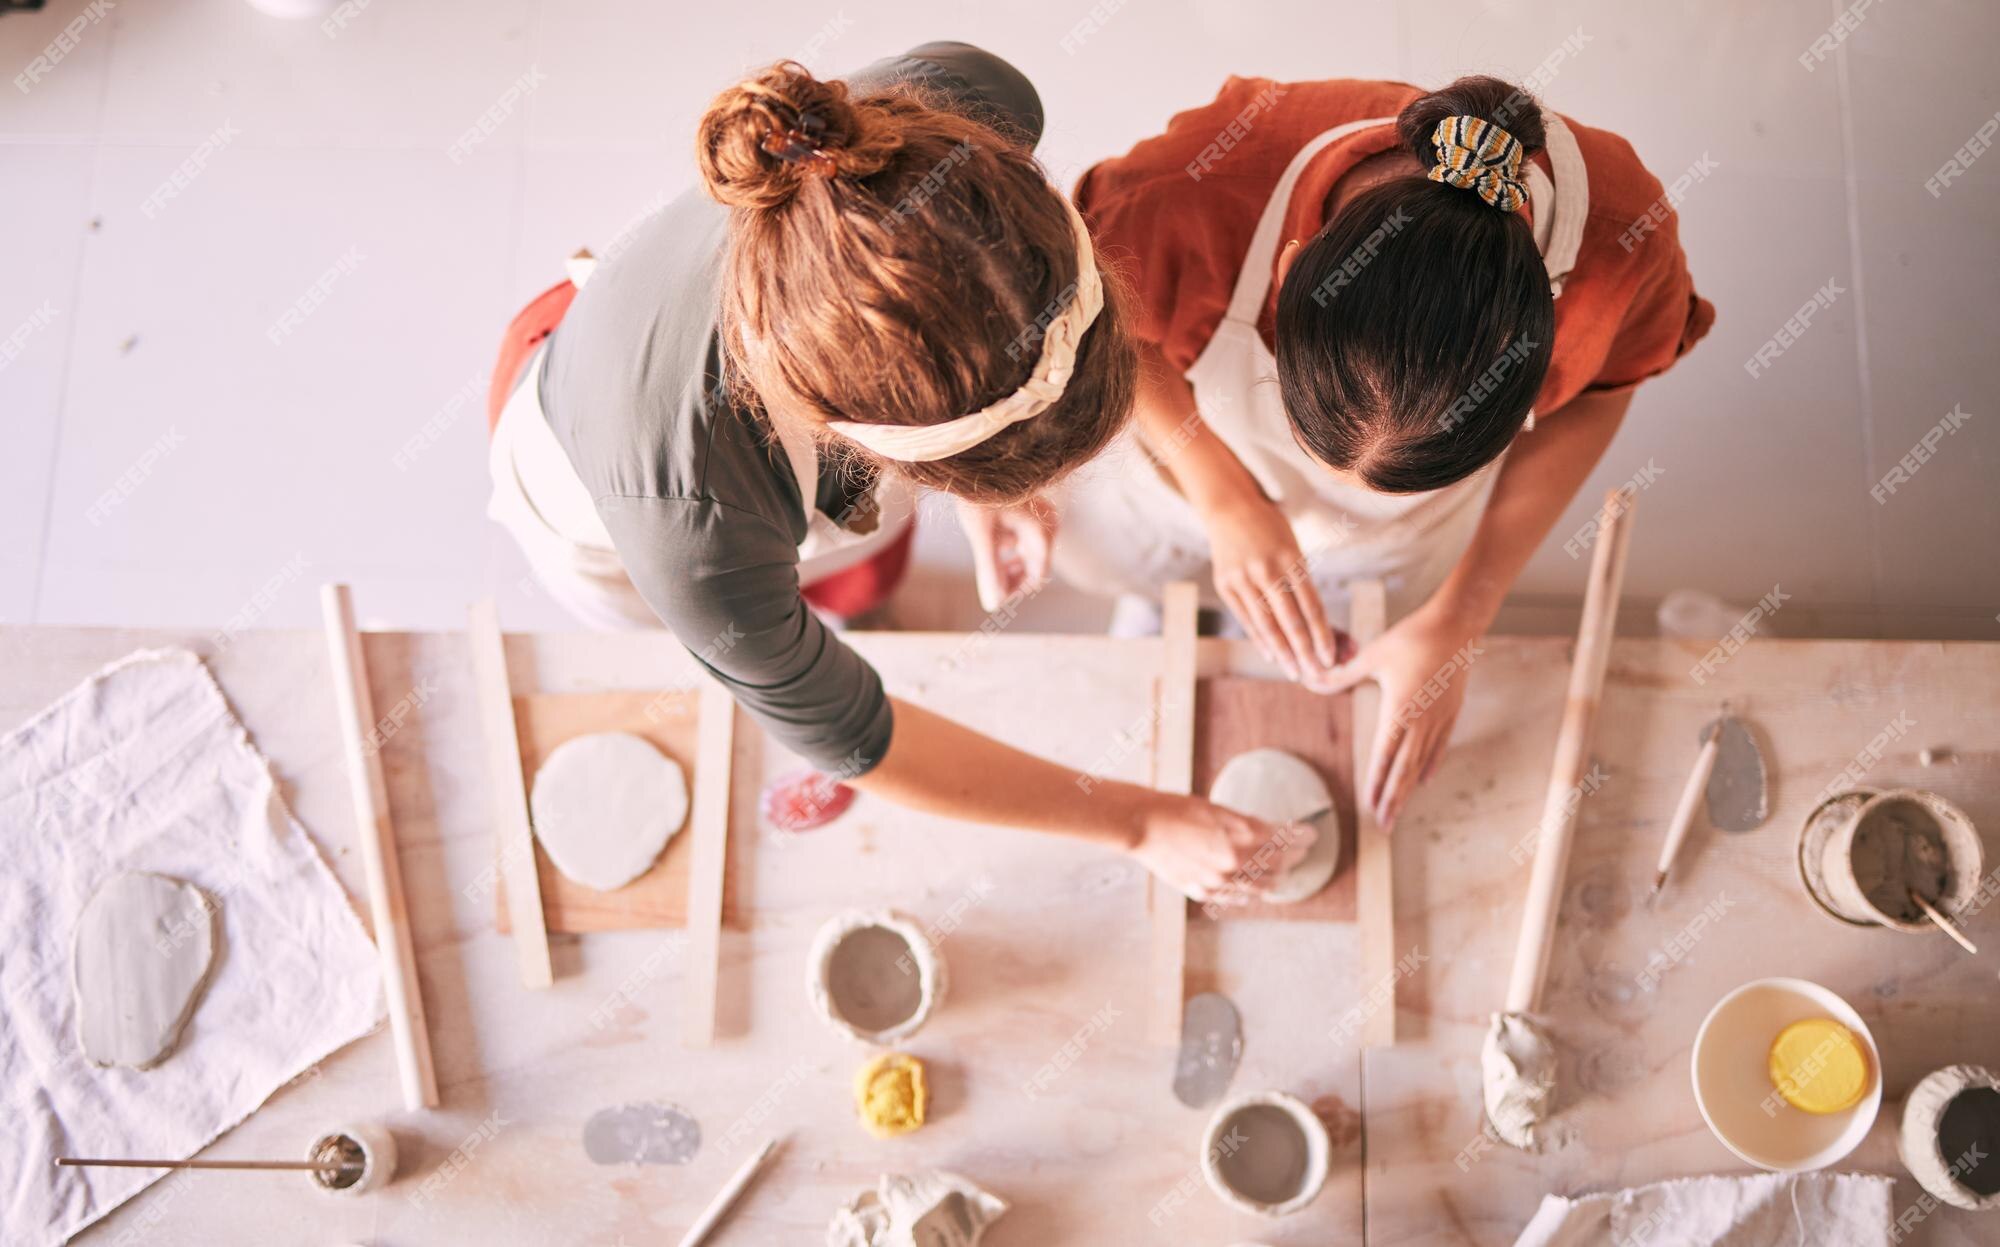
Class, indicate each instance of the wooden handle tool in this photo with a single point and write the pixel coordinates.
(1586, 686)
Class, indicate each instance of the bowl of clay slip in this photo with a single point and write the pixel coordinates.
(1950, 1138)
(1266, 1153)
(1896, 841)
(874, 975)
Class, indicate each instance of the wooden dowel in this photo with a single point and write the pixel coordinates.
(1586, 686)
(708, 859)
(331, 1166)
(1374, 873)
(1944, 924)
(726, 1198)
(378, 849)
(513, 832)
(1173, 771)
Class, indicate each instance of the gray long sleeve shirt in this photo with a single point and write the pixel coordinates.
(700, 503)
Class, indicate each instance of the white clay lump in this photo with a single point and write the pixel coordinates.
(1280, 788)
(144, 947)
(604, 806)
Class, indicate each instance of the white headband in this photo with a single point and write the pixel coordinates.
(922, 443)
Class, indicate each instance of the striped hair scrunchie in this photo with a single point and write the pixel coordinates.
(1476, 155)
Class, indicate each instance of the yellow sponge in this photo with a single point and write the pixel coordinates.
(1819, 1066)
(890, 1094)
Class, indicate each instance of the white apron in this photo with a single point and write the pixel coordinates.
(538, 497)
(1410, 541)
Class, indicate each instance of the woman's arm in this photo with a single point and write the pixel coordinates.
(940, 767)
(1260, 572)
(1537, 480)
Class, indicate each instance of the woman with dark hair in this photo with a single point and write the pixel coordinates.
(1383, 333)
(720, 427)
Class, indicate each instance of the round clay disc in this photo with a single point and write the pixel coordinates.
(1280, 788)
(144, 947)
(604, 806)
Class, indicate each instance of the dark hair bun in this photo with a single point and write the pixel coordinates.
(1505, 105)
(782, 129)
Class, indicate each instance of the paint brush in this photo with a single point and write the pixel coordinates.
(324, 1166)
(1691, 795)
(1944, 924)
(726, 1197)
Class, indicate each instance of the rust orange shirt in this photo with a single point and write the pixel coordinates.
(1175, 215)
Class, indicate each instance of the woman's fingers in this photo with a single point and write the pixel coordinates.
(1248, 607)
(1324, 638)
(1282, 598)
(1402, 777)
(1033, 544)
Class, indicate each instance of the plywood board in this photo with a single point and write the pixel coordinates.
(1234, 714)
(658, 898)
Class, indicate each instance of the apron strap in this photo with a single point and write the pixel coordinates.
(1253, 282)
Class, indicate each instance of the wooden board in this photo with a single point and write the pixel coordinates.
(658, 898)
(708, 858)
(1234, 714)
(513, 838)
(1374, 879)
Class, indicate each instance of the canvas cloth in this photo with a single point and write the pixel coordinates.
(144, 767)
(1722, 1210)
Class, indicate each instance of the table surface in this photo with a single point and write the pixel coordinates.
(1047, 948)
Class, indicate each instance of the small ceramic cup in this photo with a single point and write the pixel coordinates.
(373, 1146)
(1883, 815)
(1921, 1140)
(874, 975)
(1266, 1153)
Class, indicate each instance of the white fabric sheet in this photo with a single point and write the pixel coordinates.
(144, 767)
(1761, 1210)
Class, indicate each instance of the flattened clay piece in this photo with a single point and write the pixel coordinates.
(805, 800)
(144, 947)
(642, 1134)
(604, 806)
(1211, 1045)
(1280, 788)
(1736, 789)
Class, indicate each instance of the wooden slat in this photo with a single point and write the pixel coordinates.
(709, 828)
(1374, 879)
(1173, 771)
(377, 836)
(513, 835)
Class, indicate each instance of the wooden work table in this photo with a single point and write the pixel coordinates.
(1047, 947)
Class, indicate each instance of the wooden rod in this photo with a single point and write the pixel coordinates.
(708, 859)
(1944, 924)
(1374, 851)
(378, 849)
(1586, 687)
(331, 1166)
(513, 832)
(1173, 771)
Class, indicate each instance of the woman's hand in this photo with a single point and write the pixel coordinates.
(1420, 665)
(1010, 548)
(1264, 579)
(1213, 854)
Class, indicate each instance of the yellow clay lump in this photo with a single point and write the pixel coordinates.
(1818, 1066)
(890, 1094)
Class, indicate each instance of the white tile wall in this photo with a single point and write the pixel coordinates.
(284, 456)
